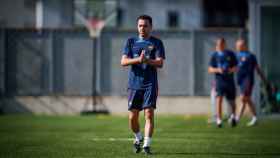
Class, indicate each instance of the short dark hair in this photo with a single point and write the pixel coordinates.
(221, 39)
(145, 17)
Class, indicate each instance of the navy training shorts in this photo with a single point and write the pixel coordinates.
(140, 99)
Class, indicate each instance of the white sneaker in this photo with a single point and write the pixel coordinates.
(253, 122)
(219, 123)
(232, 119)
(237, 118)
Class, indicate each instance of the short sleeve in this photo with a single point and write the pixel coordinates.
(212, 61)
(127, 48)
(160, 50)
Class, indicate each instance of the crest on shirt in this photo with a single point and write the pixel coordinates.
(151, 47)
(243, 59)
(228, 58)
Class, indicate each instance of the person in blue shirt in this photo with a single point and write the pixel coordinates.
(247, 64)
(144, 54)
(223, 64)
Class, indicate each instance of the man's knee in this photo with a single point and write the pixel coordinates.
(219, 100)
(133, 115)
(245, 98)
(149, 114)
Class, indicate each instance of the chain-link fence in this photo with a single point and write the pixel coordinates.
(66, 62)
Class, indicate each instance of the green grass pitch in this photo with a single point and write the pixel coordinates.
(102, 136)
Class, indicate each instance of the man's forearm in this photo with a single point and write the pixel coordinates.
(155, 62)
(260, 73)
(213, 70)
(233, 69)
(129, 61)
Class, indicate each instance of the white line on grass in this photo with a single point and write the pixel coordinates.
(112, 139)
(131, 139)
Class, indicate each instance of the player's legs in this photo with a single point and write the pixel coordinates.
(213, 117)
(246, 92)
(149, 129)
(246, 100)
(138, 100)
(253, 111)
(252, 106)
(230, 94)
(219, 102)
(149, 125)
(243, 106)
(220, 90)
(232, 107)
(149, 104)
(134, 107)
(134, 100)
(134, 121)
(232, 118)
(226, 108)
(135, 127)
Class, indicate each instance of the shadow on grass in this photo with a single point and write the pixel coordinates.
(216, 154)
(98, 106)
(93, 112)
(10, 105)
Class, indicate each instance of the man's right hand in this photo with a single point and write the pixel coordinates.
(142, 56)
(214, 70)
(125, 61)
(219, 70)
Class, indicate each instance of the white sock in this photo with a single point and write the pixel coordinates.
(254, 118)
(232, 116)
(147, 141)
(253, 121)
(219, 121)
(237, 118)
(138, 136)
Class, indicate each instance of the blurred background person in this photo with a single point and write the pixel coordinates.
(247, 64)
(223, 64)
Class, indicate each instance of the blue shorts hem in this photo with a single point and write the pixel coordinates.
(141, 99)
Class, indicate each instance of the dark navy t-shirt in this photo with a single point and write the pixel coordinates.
(224, 60)
(246, 66)
(142, 76)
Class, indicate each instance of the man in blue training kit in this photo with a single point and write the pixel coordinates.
(144, 54)
(247, 64)
(223, 64)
